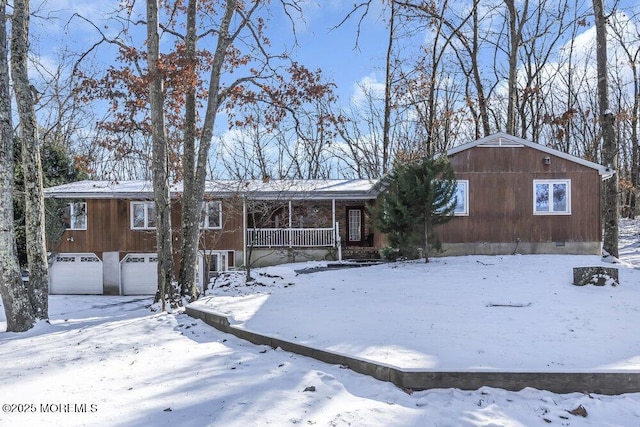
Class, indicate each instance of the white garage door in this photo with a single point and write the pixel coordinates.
(75, 274)
(139, 274)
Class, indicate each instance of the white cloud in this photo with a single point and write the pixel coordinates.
(368, 86)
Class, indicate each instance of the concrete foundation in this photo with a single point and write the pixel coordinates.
(522, 248)
(266, 257)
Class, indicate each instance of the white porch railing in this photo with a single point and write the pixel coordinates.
(290, 237)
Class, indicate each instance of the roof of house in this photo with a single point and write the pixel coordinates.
(340, 189)
(502, 139)
(363, 189)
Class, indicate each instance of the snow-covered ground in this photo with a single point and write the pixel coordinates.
(111, 361)
(629, 245)
(504, 313)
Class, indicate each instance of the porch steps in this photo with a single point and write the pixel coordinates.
(360, 253)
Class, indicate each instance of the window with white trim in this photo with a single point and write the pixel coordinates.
(143, 215)
(211, 216)
(552, 197)
(462, 198)
(74, 216)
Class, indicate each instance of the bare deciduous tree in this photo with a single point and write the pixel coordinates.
(26, 98)
(166, 292)
(388, 80)
(610, 206)
(15, 297)
(627, 34)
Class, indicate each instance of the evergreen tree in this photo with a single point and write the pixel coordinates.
(420, 195)
(58, 168)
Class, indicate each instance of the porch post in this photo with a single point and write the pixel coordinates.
(333, 219)
(290, 223)
(338, 241)
(244, 231)
(336, 230)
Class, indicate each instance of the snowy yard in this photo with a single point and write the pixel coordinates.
(111, 361)
(501, 313)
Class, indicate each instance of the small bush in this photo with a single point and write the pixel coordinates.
(389, 254)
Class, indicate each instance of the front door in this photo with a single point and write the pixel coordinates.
(355, 225)
(211, 264)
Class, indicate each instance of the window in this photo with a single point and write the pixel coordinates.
(143, 215)
(552, 197)
(462, 198)
(74, 216)
(211, 217)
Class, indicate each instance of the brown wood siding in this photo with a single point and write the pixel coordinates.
(109, 226)
(109, 230)
(229, 237)
(501, 198)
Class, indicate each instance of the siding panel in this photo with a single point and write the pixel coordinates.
(109, 230)
(501, 198)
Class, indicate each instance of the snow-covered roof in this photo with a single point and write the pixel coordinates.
(502, 139)
(363, 189)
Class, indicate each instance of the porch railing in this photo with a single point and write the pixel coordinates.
(290, 237)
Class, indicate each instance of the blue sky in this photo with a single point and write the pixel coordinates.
(320, 45)
(334, 49)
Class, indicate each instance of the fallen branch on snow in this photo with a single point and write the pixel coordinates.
(508, 305)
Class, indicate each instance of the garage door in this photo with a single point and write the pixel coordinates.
(139, 274)
(75, 274)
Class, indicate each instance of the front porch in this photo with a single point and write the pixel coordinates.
(312, 238)
(308, 229)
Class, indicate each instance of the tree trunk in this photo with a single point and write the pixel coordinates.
(386, 138)
(194, 186)
(477, 78)
(426, 239)
(473, 77)
(610, 206)
(34, 195)
(15, 298)
(515, 35)
(166, 292)
(190, 207)
(635, 167)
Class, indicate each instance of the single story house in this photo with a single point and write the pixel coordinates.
(514, 196)
(108, 245)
